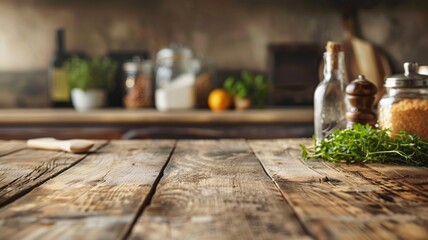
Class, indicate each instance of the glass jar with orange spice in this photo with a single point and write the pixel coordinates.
(405, 104)
(138, 83)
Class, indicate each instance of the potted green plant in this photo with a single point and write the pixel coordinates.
(247, 90)
(89, 81)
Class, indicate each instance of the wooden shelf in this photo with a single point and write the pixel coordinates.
(49, 117)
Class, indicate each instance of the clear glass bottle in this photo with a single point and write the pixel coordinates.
(405, 104)
(329, 97)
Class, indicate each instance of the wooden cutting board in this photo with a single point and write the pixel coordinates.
(362, 57)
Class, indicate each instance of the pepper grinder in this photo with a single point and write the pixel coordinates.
(360, 95)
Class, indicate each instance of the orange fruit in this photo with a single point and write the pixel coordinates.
(219, 100)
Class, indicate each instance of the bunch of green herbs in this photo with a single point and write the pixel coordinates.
(363, 143)
(95, 73)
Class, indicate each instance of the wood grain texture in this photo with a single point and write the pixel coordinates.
(21, 171)
(210, 189)
(98, 198)
(10, 146)
(216, 190)
(416, 177)
(350, 202)
(397, 196)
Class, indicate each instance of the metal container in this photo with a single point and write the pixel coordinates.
(405, 104)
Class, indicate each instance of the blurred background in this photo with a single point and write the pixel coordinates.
(234, 35)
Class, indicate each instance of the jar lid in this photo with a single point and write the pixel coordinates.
(174, 52)
(410, 78)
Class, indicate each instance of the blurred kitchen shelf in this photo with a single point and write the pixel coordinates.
(49, 117)
(151, 124)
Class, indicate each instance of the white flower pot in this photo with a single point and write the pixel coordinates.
(89, 99)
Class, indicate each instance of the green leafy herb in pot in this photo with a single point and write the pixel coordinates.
(365, 144)
(248, 85)
(97, 73)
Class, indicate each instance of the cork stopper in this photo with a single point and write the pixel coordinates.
(333, 48)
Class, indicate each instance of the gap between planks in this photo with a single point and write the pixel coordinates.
(19, 146)
(354, 189)
(150, 195)
(98, 198)
(304, 227)
(217, 189)
(10, 146)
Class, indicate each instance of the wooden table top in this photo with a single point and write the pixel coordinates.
(152, 116)
(205, 189)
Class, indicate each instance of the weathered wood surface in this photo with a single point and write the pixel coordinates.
(96, 199)
(21, 171)
(205, 189)
(217, 190)
(339, 201)
(10, 146)
(416, 177)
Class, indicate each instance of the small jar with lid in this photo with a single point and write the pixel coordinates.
(138, 83)
(405, 104)
(175, 79)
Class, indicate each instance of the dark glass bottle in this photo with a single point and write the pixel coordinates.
(59, 90)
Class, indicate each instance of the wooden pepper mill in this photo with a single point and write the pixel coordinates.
(360, 94)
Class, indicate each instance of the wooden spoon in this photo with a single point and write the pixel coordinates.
(73, 145)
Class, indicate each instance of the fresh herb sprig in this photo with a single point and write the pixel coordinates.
(363, 144)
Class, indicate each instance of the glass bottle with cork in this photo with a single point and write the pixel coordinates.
(329, 97)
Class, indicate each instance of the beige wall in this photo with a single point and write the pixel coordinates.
(233, 33)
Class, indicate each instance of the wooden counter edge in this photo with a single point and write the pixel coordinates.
(146, 116)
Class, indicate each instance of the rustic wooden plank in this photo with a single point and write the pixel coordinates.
(10, 146)
(98, 198)
(23, 170)
(344, 205)
(398, 196)
(416, 177)
(216, 190)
